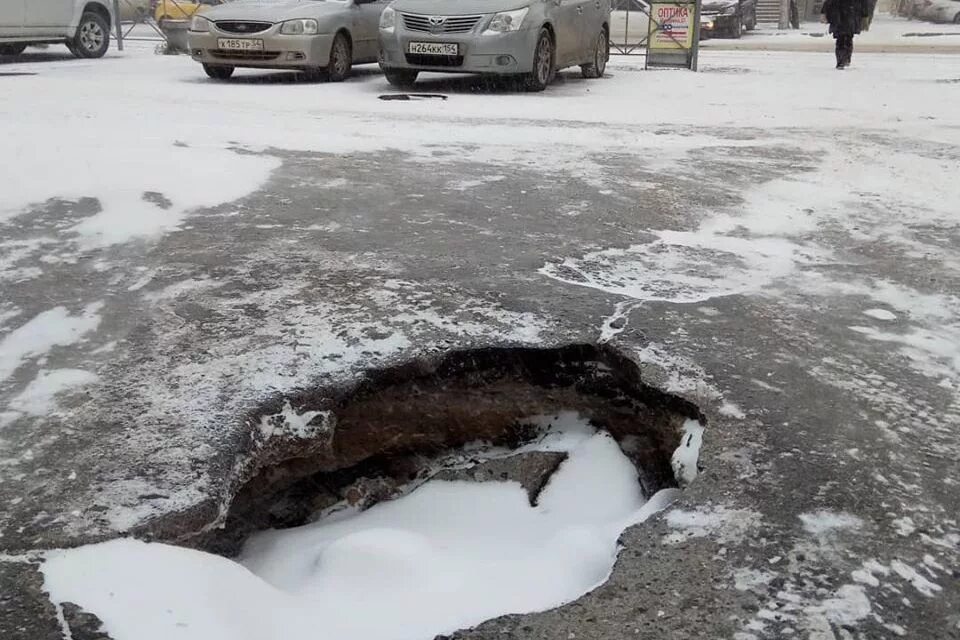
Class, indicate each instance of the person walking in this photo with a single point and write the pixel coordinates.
(846, 20)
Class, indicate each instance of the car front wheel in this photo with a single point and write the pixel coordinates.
(218, 71)
(93, 37)
(341, 59)
(601, 51)
(14, 49)
(401, 77)
(543, 56)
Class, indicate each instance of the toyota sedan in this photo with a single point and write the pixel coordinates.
(528, 39)
(317, 37)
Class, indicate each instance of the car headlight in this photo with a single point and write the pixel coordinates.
(304, 27)
(388, 20)
(199, 24)
(506, 21)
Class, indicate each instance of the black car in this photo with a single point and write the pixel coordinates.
(727, 18)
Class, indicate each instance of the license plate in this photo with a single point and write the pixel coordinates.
(433, 48)
(240, 44)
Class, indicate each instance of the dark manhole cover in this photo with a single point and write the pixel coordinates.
(413, 96)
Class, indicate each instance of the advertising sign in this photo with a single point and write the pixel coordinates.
(674, 26)
(674, 34)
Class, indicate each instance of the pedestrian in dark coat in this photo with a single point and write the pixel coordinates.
(846, 20)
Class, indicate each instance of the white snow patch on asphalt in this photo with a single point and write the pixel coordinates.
(727, 524)
(447, 556)
(919, 582)
(868, 572)
(880, 314)
(49, 329)
(824, 522)
(117, 172)
(685, 456)
(731, 410)
(849, 605)
(290, 424)
(39, 398)
(933, 352)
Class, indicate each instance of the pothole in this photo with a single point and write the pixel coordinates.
(437, 494)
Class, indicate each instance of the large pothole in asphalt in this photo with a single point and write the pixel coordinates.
(427, 498)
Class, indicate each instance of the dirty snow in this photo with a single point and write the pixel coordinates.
(446, 556)
(39, 397)
(56, 327)
(825, 522)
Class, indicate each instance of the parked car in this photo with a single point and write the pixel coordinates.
(727, 18)
(947, 11)
(317, 37)
(531, 39)
(82, 25)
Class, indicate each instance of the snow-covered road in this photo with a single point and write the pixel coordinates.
(770, 238)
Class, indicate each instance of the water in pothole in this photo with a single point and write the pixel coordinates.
(446, 556)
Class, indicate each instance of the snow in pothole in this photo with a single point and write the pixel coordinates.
(447, 556)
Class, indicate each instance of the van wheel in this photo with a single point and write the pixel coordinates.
(218, 71)
(93, 37)
(543, 64)
(14, 49)
(601, 51)
(401, 77)
(341, 59)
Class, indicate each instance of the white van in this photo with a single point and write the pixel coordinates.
(82, 25)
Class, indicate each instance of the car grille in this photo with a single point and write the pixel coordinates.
(434, 61)
(225, 54)
(450, 24)
(236, 26)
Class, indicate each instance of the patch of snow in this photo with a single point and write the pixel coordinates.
(39, 398)
(934, 352)
(904, 526)
(866, 574)
(446, 556)
(726, 523)
(49, 329)
(880, 314)
(290, 424)
(751, 579)
(824, 522)
(616, 322)
(731, 410)
(685, 457)
(918, 582)
(848, 606)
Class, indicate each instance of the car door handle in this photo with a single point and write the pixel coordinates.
(579, 9)
(598, 4)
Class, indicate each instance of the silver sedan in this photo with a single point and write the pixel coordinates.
(527, 38)
(318, 37)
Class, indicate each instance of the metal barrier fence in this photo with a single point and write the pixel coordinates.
(629, 27)
(162, 21)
